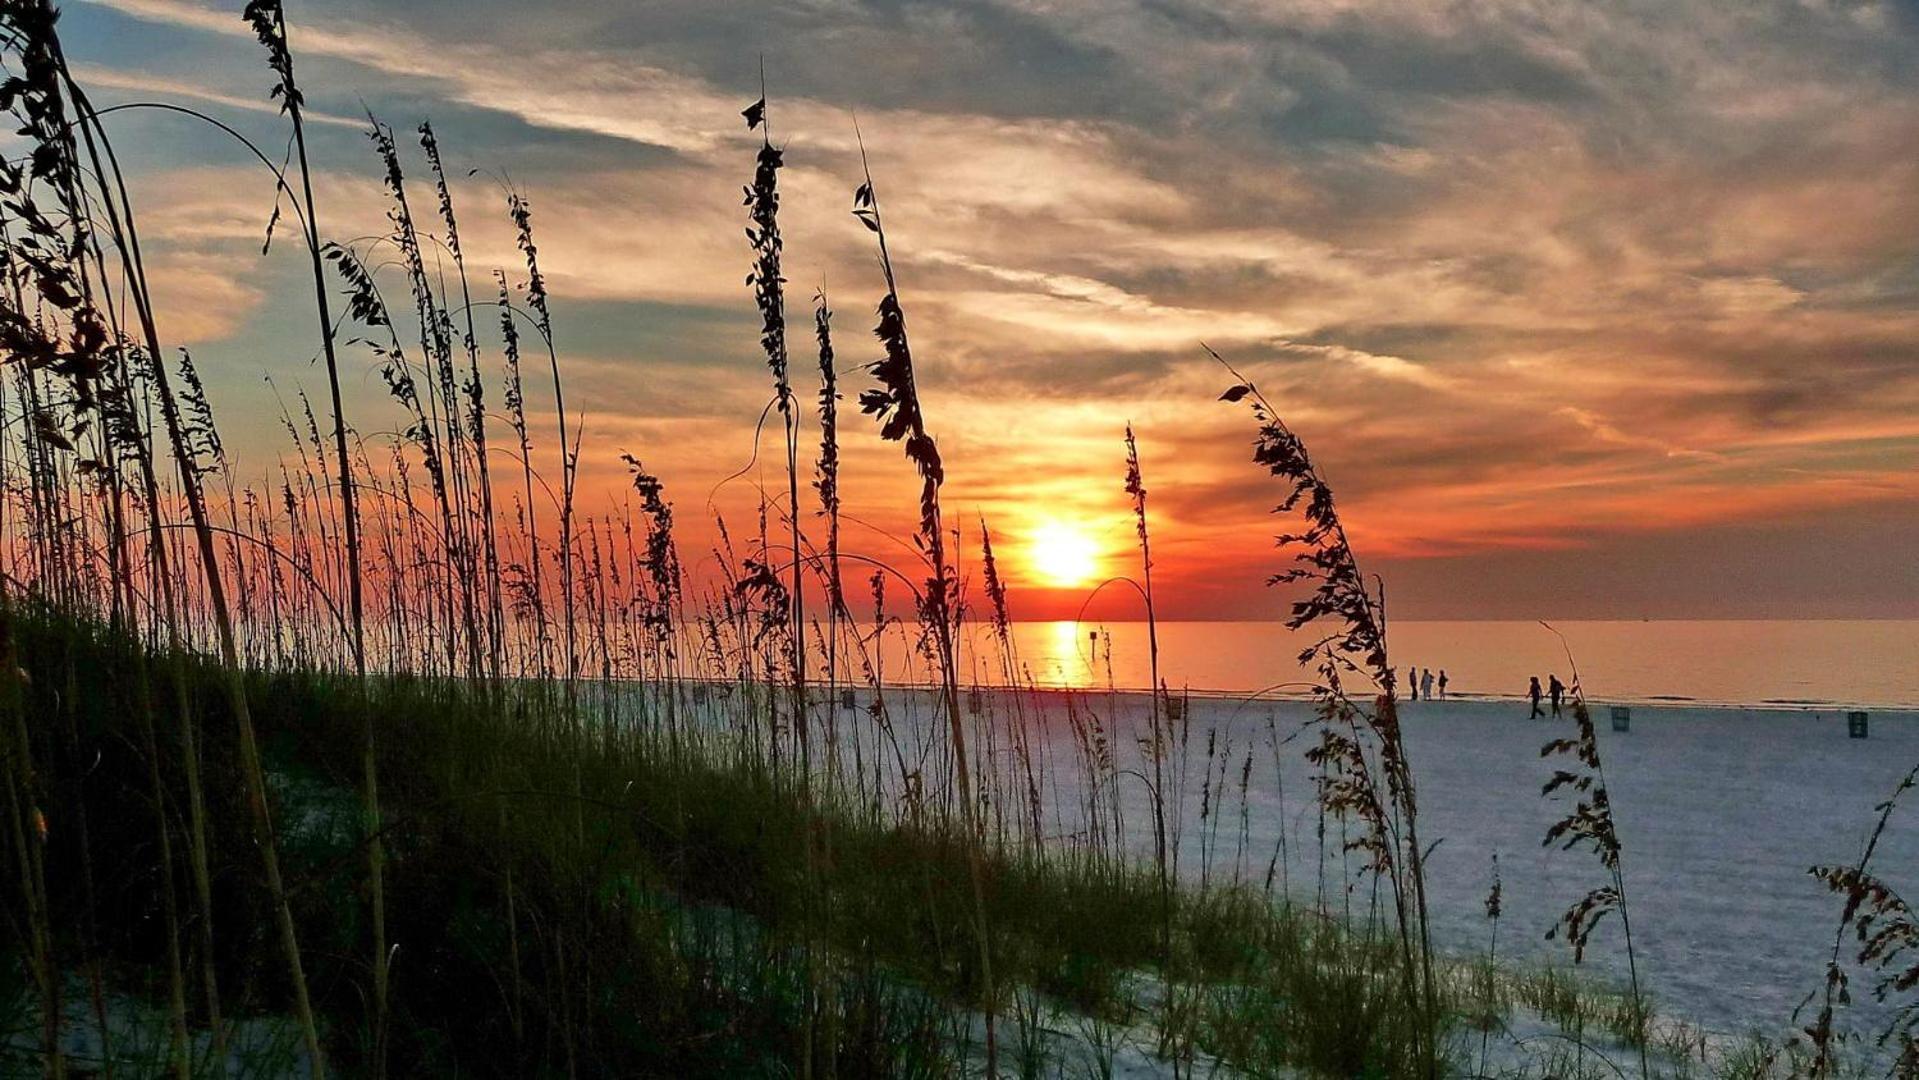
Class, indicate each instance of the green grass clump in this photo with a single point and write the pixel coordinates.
(656, 920)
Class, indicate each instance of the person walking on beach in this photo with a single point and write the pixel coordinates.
(1412, 682)
(1558, 688)
(1442, 684)
(1426, 684)
(1533, 693)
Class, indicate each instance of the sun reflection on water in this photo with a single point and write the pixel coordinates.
(1065, 652)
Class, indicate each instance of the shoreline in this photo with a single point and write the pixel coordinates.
(1661, 704)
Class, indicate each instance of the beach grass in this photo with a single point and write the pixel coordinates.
(671, 937)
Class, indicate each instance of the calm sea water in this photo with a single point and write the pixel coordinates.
(1867, 662)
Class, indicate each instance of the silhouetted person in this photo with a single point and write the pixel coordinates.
(1442, 684)
(1412, 682)
(1533, 693)
(1558, 688)
(1426, 684)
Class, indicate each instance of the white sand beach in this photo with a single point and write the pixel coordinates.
(1721, 811)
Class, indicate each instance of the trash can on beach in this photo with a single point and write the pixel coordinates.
(1622, 718)
(846, 699)
(1856, 725)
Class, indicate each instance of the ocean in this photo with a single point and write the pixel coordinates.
(1779, 663)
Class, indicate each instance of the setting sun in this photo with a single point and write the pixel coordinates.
(1062, 555)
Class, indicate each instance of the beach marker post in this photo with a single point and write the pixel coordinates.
(1622, 718)
(1856, 724)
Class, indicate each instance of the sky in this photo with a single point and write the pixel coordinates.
(1585, 310)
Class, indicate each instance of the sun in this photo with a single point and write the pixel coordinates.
(1062, 554)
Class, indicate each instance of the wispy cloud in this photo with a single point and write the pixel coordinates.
(172, 91)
